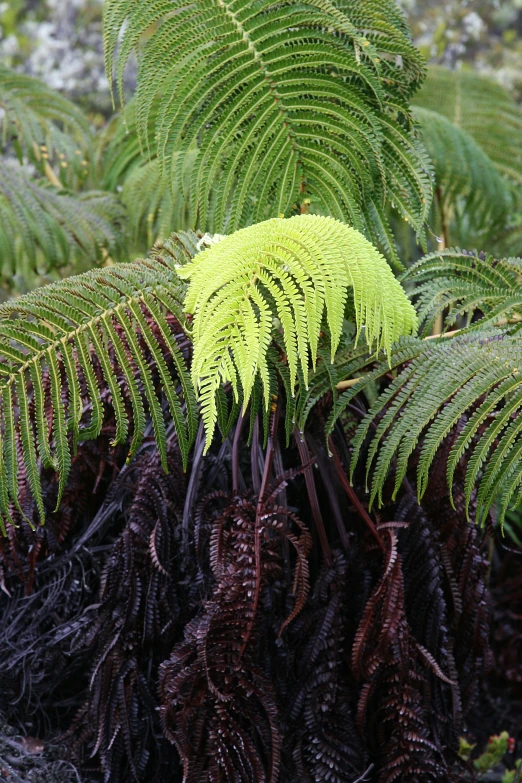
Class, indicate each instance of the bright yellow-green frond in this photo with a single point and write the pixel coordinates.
(294, 274)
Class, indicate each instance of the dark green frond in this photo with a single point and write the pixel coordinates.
(66, 346)
(154, 206)
(467, 387)
(465, 284)
(312, 116)
(42, 229)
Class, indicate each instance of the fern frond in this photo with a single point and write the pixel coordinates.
(468, 388)
(154, 206)
(43, 230)
(63, 345)
(465, 284)
(470, 187)
(40, 125)
(297, 271)
(482, 108)
(295, 107)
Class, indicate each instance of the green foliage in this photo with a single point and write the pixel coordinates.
(312, 116)
(40, 125)
(473, 381)
(43, 230)
(498, 746)
(471, 192)
(482, 108)
(65, 346)
(466, 285)
(46, 229)
(155, 207)
(299, 271)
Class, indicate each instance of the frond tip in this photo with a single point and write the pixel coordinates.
(284, 274)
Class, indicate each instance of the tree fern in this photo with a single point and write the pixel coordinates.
(482, 108)
(467, 389)
(464, 285)
(63, 344)
(314, 116)
(297, 271)
(471, 192)
(43, 230)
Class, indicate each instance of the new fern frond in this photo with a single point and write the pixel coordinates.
(64, 345)
(460, 284)
(299, 107)
(297, 271)
(467, 388)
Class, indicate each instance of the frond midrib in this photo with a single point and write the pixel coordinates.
(258, 58)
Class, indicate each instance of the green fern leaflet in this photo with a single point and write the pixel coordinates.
(460, 284)
(473, 381)
(471, 192)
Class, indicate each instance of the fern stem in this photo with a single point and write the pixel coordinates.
(235, 453)
(353, 496)
(259, 512)
(304, 455)
(343, 385)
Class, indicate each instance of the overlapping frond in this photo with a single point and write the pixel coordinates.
(154, 205)
(464, 285)
(467, 388)
(42, 126)
(43, 229)
(64, 346)
(471, 190)
(482, 108)
(291, 107)
(298, 271)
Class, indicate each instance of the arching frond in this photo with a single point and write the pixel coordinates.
(154, 205)
(298, 271)
(458, 283)
(43, 229)
(42, 126)
(482, 108)
(471, 189)
(65, 346)
(467, 389)
(295, 107)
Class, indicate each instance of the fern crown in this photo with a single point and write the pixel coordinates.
(295, 270)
